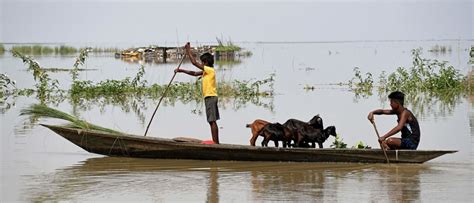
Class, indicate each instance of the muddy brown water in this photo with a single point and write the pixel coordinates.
(38, 165)
(129, 179)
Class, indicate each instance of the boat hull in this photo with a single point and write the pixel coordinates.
(151, 147)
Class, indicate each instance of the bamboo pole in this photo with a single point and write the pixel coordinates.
(163, 95)
(384, 151)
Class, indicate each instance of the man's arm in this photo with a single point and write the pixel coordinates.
(191, 73)
(191, 57)
(398, 128)
(379, 112)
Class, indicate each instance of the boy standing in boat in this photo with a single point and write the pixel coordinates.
(407, 124)
(209, 87)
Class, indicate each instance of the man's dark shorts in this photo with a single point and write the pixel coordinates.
(212, 112)
(408, 144)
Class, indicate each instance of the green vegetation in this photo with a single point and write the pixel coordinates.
(427, 84)
(338, 143)
(183, 91)
(361, 145)
(44, 50)
(6, 86)
(360, 85)
(131, 93)
(80, 60)
(88, 89)
(45, 86)
(58, 50)
(39, 110)
(2, 49)
(425, 75)
(65, 50)
(226, 47)
(65, 69)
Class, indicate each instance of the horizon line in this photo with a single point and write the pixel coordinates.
(259, 42)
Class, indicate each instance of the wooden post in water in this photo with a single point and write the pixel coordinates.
(165, 55)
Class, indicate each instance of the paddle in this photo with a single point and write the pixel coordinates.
(163, 96)
(377, 132)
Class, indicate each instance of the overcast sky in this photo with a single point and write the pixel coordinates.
(118, 21)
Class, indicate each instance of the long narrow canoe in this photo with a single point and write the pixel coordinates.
(151, 147)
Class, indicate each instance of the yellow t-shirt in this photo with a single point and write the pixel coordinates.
(209, 87)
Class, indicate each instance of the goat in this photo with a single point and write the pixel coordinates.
(294, 125)
(310, 135)
(276, 132)
(256, 126)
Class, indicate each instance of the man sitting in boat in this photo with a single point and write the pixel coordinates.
(407, 124)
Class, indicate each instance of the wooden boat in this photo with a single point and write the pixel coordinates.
(151, 147)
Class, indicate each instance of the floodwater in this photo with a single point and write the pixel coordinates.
(38, 165)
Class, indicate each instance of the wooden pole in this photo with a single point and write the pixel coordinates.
(163, 96)
(384, 151)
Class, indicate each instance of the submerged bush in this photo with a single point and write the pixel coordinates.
(184, 91)
(80, 60)
(427, 83)
(226, 47)
(361, 85)
(6, 85)
(45, 86)
(130, 93)
(425, 75)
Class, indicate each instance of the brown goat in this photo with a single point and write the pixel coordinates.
(256, 126)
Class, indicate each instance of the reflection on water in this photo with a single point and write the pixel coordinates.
(112, 179)
(440, 50)
(213, 186)
(222, 63)
(138, 179)
(148, 60)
